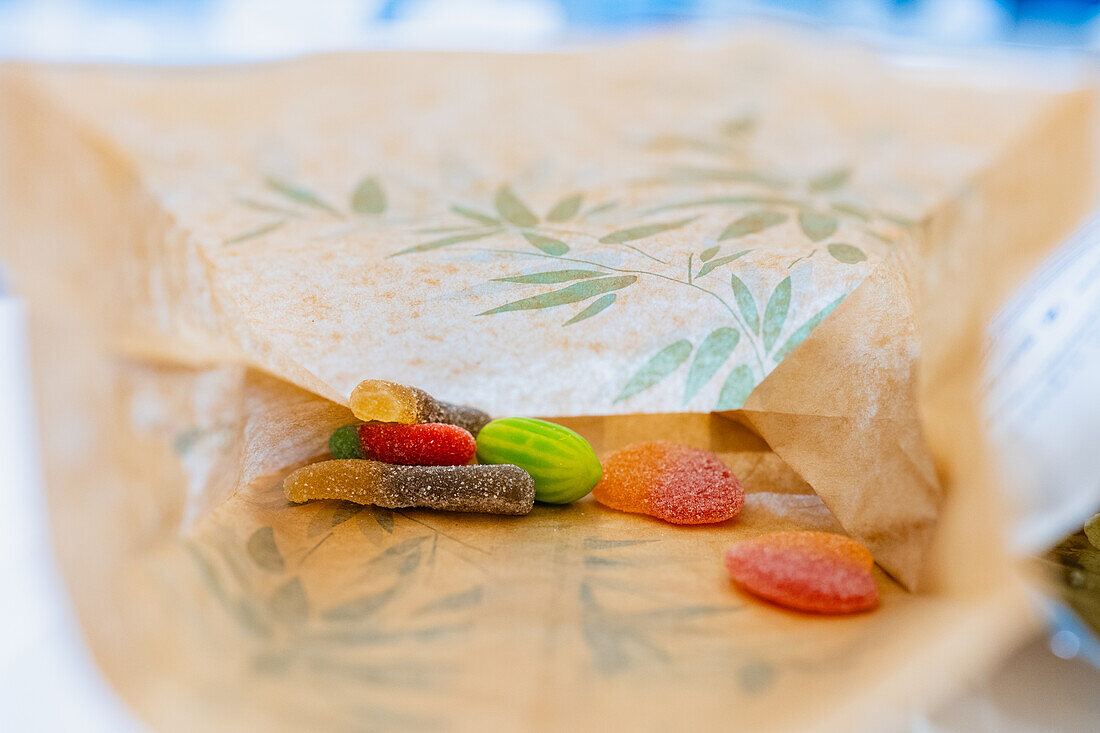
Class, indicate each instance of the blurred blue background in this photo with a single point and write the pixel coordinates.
(174, 31)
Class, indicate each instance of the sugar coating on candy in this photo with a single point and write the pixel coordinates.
(344, 442)
(677, 483)
(423, 444)
(489, 489)
(375, 400)
(819, 572)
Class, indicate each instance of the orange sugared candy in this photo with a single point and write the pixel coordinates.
(676, 483)
(818, 572)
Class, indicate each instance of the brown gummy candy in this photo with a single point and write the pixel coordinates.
(375, 400)
(500, 489)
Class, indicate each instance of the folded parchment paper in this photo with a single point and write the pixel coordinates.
(775, 247)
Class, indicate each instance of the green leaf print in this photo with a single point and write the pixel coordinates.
(659, 366)
(776, 312)
(475, 216)
(512, 210)
(566, 209)
(739, 126)
(708, 253)
(804, 330)
(549, 245)
(643, 231)
(289, 603)
(551, 277)
(846, 253)
(725, 260)
(752, 223)
(368, 197)
(710, 357)
(572, 294)
(815, 225)
(736, 389)
(851, 210)
(599, 305)
(829, 181)
(264, 552)
(301, 195)
(745, 303)
(447, 242)
(253, 233)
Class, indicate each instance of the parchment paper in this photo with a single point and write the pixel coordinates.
(215, 257)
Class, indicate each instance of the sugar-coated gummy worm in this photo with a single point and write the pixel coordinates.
(489, 489)
(375, 400)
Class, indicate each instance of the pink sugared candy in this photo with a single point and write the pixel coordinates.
(676, 483)
(423, 444)
(819, 572)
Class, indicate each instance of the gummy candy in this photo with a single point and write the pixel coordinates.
(490, 489)
(374, 400)
(676, 483)
(561, 462)
(344, 442)
(424, 444)
(818, 572)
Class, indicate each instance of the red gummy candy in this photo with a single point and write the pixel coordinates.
(818, 572)
(676, 483)
(423, 444)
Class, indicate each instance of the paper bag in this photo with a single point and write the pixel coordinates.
(774, 247)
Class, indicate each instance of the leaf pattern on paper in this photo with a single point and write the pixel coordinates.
(599, 305)
(745, 303)
(829, 181)
(254, 233)
(569, 294)
(659, 366)
(846, 253)
(566, 208)
(736, 389)
(551, 277)
(549, 245)
(264, 552)
(448, 241)
(804, 330)
(716, 263)
(600, 247)
(816, 225)
(289, 604)
(709, 358)
(368, 197)
(619, 641)
(511, 209)
(757, 221)
(300, 195)
(475, 216)
(644, 230)
(775, 314)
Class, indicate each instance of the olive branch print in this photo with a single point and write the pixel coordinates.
(261, 584)
(514, 216)
(287, 200)
(757, 200)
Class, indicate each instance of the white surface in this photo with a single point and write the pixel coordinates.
(48, 683)
(1043, 394)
